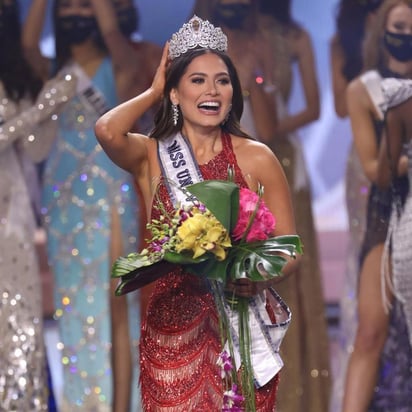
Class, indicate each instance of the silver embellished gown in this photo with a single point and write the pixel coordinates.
(23, 377)
(356, 196)
(400, 92)
(394, 380)
(82, 188)
(402, 254)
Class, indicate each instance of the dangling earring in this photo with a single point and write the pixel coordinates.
(175, 115)
(227, 116)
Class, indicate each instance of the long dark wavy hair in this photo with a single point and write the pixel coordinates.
(163, 118)
(350, 32)
(18, 79)
(63, 49)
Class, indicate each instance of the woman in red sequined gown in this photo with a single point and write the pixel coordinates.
(180, 340)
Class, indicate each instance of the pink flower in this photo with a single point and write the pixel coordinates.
(263, 223)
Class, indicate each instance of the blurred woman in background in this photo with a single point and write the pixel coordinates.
(354, 21)
(305, 383)
(89, 206)
(26, 131)
(387, 53)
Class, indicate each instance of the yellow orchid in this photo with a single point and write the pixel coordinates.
(201, 233)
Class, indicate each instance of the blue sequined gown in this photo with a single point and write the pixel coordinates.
(81, 188)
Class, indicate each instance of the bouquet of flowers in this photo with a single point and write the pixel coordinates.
(223, 233)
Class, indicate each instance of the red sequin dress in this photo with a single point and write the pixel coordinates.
(180, 340)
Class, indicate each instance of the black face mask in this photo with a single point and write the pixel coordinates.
(232, 15)
(399, 45)
(128, 21)
(77, 29)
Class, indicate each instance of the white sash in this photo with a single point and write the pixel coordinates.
(180, 169)
(86, 92)
(266, 336)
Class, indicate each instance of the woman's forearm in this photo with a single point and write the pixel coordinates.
(294, 122)
(123, 56)
(31, 35)
(30, 125)
(264, 112)
(121, 119)
(34, 23)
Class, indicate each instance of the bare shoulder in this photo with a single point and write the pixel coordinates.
(241, 144)
(356, 92)
(255, 158)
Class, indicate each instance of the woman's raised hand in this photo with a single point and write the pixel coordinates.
(159, 79)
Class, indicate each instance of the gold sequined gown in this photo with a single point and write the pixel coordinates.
(81, 188)
(23, 379)
(305, 380)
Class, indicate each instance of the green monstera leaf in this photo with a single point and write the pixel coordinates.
(263, 260)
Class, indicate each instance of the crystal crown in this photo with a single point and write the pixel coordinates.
(197, 33)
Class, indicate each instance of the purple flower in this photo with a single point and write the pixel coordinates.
(232, 400)
(183, 215)
(225, 362)
(156, 246)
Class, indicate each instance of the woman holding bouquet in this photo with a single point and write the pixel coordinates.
(196, 127)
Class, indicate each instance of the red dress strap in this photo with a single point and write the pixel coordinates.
(217, 167)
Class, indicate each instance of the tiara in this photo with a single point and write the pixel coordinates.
(197, 33)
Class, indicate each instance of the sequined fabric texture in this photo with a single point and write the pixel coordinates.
(23, 379)
(357, 189)
(402, 256)
(305, 379)
(180, 340)
(393, 387)
(82, 188)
